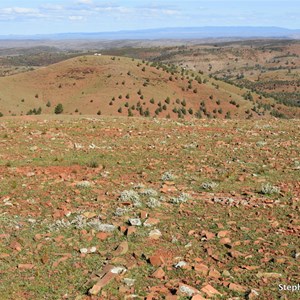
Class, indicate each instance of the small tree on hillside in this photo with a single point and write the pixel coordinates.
(58, 109)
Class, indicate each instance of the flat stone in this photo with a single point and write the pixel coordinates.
(209, 235)
(214, 274)
(106, 227)
(130, 230)
(155, 260)
(135, 222)
(106, 279)
(118, 270)
(223, 233)
(122, 249)
(143, 214)
(225, 241)
(238, 288)
(210, 290)
(201, 268)
(188, 290)
(102, 236)
(151, 222)
(198, 297)
(180, 264)
(252, 295)
(155, 234)
(159, 273)
(268, 275)
(129, 281)
(25, 266)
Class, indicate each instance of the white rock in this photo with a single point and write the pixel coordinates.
(180, 264)
(187, 290)
(135, 222)
(118, 270)
(83, 184)
(107, 228)
(155, 233)
(129, 281)
(93, 249)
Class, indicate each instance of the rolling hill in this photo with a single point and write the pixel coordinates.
(109, 85)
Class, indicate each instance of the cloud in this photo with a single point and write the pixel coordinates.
(13, 13)
(84, 2)
(76, 18)
(136, 10)
(115, 9)
(19, 10)
(52, 7)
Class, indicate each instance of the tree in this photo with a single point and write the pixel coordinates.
(228, 115)
(130, 114)
(59, 109)
(39, 111)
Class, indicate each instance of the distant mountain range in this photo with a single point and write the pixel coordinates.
(169, 33)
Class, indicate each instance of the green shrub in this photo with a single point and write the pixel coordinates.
(93, 164)
(58, 109)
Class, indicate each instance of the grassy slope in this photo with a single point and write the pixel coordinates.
(89, 83)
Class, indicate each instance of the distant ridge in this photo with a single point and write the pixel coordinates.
(169, 33)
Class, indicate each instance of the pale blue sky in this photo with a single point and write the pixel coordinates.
(36, 16)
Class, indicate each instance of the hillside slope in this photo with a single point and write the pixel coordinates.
(123, 86)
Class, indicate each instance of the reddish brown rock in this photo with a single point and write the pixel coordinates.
(223, 234)
(210, 290)
(225, 241)
(102, 236)
(130, 230)
(236, 254)
(143, 214)
(123, 229)
(159, 273)
(198, 297)
(155, 260)
(106, 279)
(168, 189)
(25, 266)
(151, 222)
(171, 297)
(201, 268)
(214, 274)
(16, 246)
(209, 235)
(237, 288)
(4, 255)
(122, 249)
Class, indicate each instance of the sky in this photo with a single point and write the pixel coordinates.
(29, 17)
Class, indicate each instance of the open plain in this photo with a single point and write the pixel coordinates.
(99, 207)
